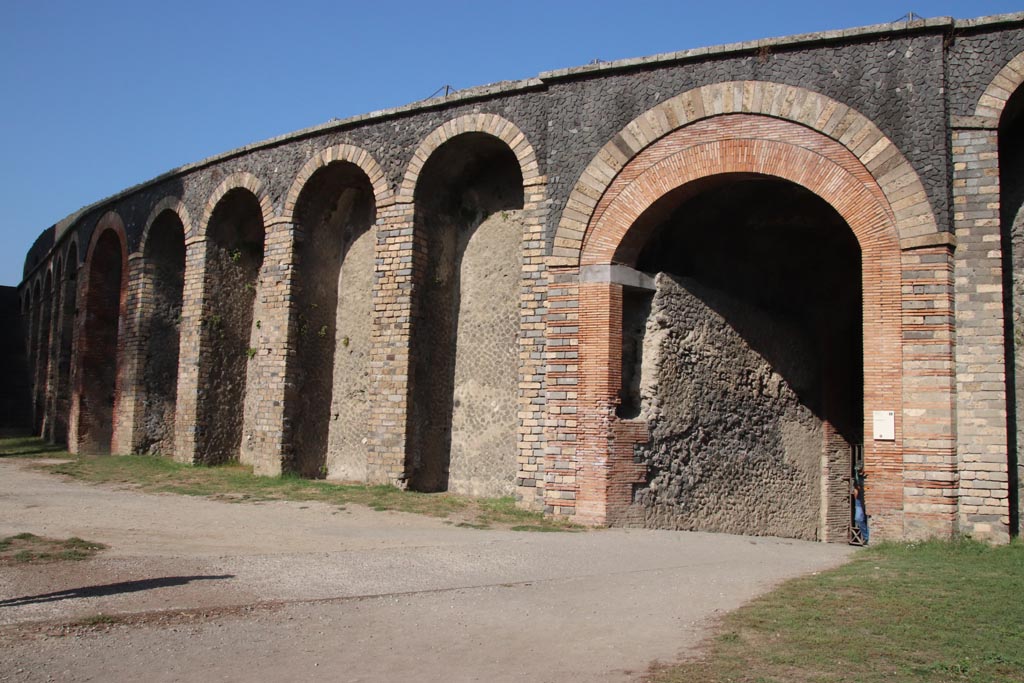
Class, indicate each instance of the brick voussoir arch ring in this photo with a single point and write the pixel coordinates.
(492, 124)
(897, 179)
(1006, 82)
(868, 217)
(340, 153)
(111, 220)
(167, 204)
(235, 181)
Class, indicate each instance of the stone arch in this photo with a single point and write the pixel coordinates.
(762, 146)
(898, 180)
(469, 194)
(70, 251)
(160, 280)
(1005, 83)
(174, 205)
(236, 181)
(346, 153)
(741, 144)
(491, 124)
(100, 339)
(333, 206)
(233, 242)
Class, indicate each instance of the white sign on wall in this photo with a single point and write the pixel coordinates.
(884, 425)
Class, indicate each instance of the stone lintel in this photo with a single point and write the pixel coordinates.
(619, 275)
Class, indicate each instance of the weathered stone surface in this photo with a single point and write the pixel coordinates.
(732, 446)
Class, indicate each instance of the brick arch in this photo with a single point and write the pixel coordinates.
(340, 153)
(492, 124)
(896, 178)
(92, 353)
(741, 143)
(68, 265)
(1000, 89)
(237, 181)
(167, 204)
(111, 220)
(750, 144)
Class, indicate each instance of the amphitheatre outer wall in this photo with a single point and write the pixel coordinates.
(486, 243)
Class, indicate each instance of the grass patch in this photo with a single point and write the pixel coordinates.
(236, 483)
(26, 548)
(29, 447)
(925, 612)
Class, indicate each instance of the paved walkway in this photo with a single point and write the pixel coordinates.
(309, 591)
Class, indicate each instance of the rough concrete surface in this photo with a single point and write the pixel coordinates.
(733, 446)
(357, 595)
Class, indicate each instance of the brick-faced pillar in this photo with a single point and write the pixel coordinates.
(266, 434)
(561, 377)
(397, 261)
(132, 350)
(980, 354)
(533, 307)
(54, 431)
(599, 381)
(41, 354)
(930, 476)
(190, 351)
(75, 395)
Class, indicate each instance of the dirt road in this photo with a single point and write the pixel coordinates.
(301, 591)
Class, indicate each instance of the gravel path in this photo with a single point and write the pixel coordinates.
(218, 591)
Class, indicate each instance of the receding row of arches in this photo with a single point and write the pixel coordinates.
(48, 310)
(132, 346)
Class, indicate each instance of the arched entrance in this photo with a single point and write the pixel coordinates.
(163, 280)
(329, 405)
(1011, 203)
(772, 244)
(743, 355)
(99, 348)
(469, 224)
(235, 237)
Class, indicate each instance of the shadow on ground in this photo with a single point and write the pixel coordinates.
(109, 589)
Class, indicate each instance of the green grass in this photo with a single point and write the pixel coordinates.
(28, 447)
(930, 612)
(26, 548)
(236, 483)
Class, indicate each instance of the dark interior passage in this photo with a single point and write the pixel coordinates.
(98, 346)
(1011, 196)
(333, 318)
(462, 420)
(15, 391)
(163, 282)
(235, 241)
(746, 359)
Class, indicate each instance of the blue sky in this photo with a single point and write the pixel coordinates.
(101, 95)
